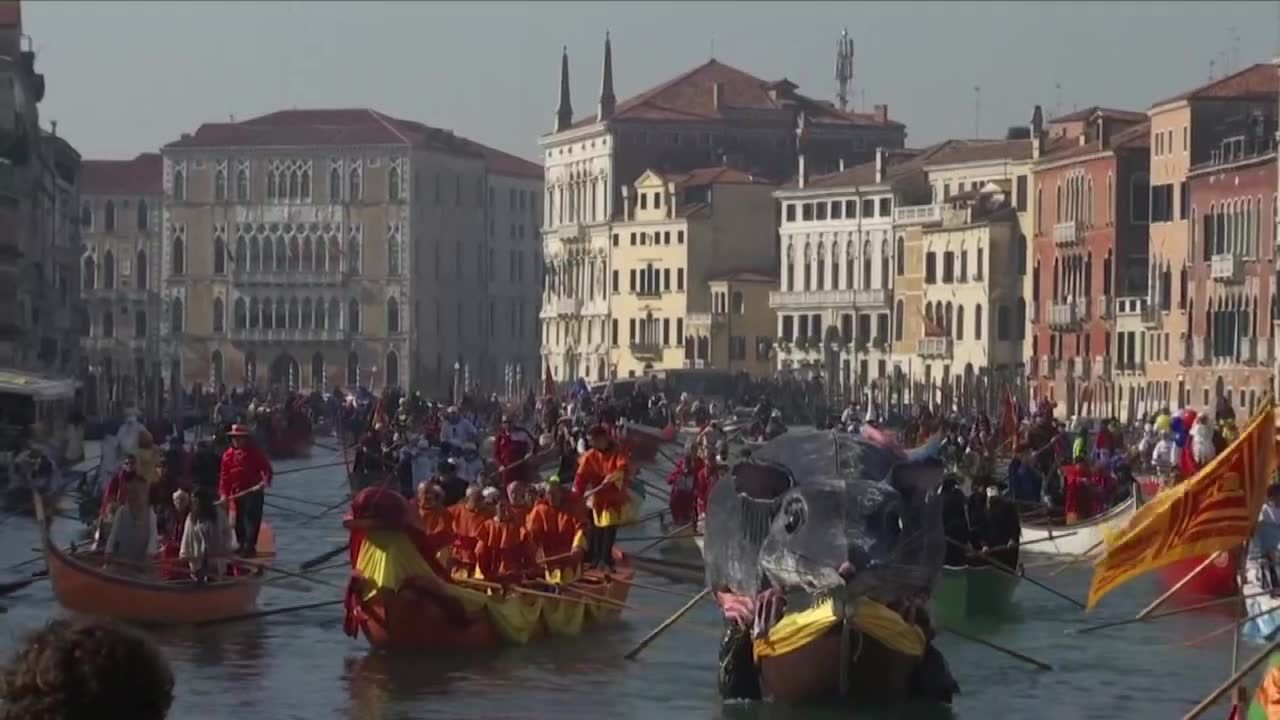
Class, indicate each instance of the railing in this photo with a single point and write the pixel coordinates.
(811, 299)
(646, 350)
(1227, 268)
(260, 334)
(1066, 234)
(934, 347)
(568, 306)
(1068, 314)
(1132, 305)
(704, 319)
(241, 276)
(651, 293)
(878, 297)
(917, 214)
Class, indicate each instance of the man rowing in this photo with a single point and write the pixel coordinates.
(559, 534)
(504, 549)
(245, 474)
(602, 479)
(467, 517)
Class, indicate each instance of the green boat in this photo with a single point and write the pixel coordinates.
(973, 591)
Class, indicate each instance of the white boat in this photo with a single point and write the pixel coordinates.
(1079, 538)
(1262, 608)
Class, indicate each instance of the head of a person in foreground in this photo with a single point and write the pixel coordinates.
(80, 668)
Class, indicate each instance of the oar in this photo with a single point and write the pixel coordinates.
(328, 510)
(998, 648)
(1234, 625)
(1177, 586)
(666, 624)
(286, 573)
(13, 587)
(310, 467)
(653, 537)
(1077, 558)
(1008, 571)
(293, 498)
(650, 588)
(643, 520)
(1232, 681)
(664, 538)
(284, 509)
(319, 559)
(267, 613)
(1165, 614)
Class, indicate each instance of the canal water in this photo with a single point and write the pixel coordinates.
(301, 665)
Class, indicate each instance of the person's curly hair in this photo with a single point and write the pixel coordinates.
(73, 669)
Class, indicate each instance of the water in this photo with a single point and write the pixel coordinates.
(301, 665)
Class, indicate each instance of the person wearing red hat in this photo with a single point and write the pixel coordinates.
(245, 474)
(512, 448)
(602, 480)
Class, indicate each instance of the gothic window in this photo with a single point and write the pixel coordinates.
(308, 255)
(86, 216)
(822, 267)
(304, 320)
(175, 317)
(900, 256)
(977, 322)
(353, 252)
(353, 316)
(179, 257)
(317, 371)
(255, 254)
(144, 217)
(354, 192)
(304, 193)
(393, 315)
(273, 184)
(808, 268)
(335, 184)
(791, 269)
(393, 183)
(219, 317)
(295, 254)
(108, 271)
(109, 217)
(242, 184)
(140, 324)
(140, 270)
(898, 313)
(320, 315)
(219, 256)
(268, 316)
(87, 273)
(295, 181)
(250, 367)
(393, 252)
(179, 184)
(282, 253)
(294, 313)
(220, 183)
(241, 319)
(282, 319)
(335, 314)
(335, 254)
(392, 373)
(108, 324)
(255, 313)
(866, 264)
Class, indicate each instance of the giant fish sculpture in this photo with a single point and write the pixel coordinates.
(822, 550)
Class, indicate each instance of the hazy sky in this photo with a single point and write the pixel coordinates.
(128, 77)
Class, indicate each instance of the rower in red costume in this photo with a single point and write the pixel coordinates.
(558, 532)
(603, 472)
(707, 475)
(682, 480)
(1078, 489)
(468, 516)
(114, 495)
(504, 547)
(512, 446)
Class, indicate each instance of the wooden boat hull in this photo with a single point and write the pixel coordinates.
(404, 622)
(1217, 579)
(812, 672)
(968, 592)
(1079, 538)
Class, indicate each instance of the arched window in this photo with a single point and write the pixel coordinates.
(88, 273)
(295, 254)
(928, 315)
(109, 216)
(144, 216)
(108, 324)
(295, 181)
(294, 313)
(947, 318)
(959, 334)
(242, 314)
(320, 315)
(255, 313)
(393, 183)
(179, 185)
(220, 184)
(393, 369)
(353, 255)
(175, 316)
(354, 186)
(866, 264)
(1002, 323)
(242, 185)
(335, 185)
(335, 255)
(393, 255)
(977, 322)
(835, 265)
(242, 254)
(850, 277)
(282, 312)
(140, 324)
(219, 316)
(393, 315)
(1021, 250)
(353, 369)
(304, 321)
(900, 256)
(305, 191)
(86, 215)
(317, 371)
(219, 256)
(282, 253)
(215, 369)
(335, 314)
(255, 253)
(308, 255)
(1020, 318)
(791, 269)
(108, 270)
(808, 268)
(179, 257)
(268, 314)
(822, 267)
(898, 312)
(274, 183)
(353, 316)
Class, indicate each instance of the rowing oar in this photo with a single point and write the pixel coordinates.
(1234, 625)
(309, 467)
(1077, 558)
(1232, 681)
(1178, 586)
(999, 648)
(329, 509)
(266, 613)
(1016, 544)
(664, 538)
(13, 587)
(320, 559)
(684, 610)
(653, 537)
(1009, 571)
(294, 498)
(1165, 614)
(286, 573)
(283, 508)
(643, 520)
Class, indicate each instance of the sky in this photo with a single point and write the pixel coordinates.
(128, 77)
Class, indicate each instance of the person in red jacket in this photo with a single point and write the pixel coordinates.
(246, 472)
(682, 480)
(512, 446)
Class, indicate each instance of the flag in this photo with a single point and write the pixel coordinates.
(1208, 513)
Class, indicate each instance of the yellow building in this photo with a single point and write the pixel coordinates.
(678, 232)
(737, 334)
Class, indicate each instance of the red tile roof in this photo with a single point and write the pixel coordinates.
(717, 175)
(344, 127)
(955, 152)
(143, 175)
(1108, 113)
(897, 164)
(10, 13)
(690, 97)
(1065, 148)
(1260, 81)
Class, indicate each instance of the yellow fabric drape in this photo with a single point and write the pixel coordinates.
(148, 464)
(796, 630)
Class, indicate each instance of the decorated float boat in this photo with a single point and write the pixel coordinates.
(1081, 538)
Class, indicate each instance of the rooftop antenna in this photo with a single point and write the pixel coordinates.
(1057, 98)
(713, 47)
(1235, 48)
(977, 111)
(844, 68)
(1211, 61)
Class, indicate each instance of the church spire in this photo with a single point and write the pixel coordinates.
(607, 100)
(564, 112)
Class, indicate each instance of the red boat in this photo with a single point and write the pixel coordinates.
(1217, 579)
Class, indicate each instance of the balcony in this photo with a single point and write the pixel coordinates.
(646, 350)
(289, 334)
(1103, 364)
(289, 278)
(649, 293)
(1068, 234)
(705, 319)
(568, 306)
(1227, 268)
(1069, 314)
(811, 299)
(871, 297)
(695, 364)
(917, 214)
(936, 347)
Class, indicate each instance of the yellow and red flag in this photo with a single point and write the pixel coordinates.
(1212, 511)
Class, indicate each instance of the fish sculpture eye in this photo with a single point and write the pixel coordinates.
(794, 514)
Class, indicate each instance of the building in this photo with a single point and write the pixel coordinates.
(840, 260)
(39, 232)
(318, 248)
(1090, 248)
(120, 210)
(712, 115)
(737, 334)
(1232, 261)
(1182, 137)
(970, 343)
(676, 233)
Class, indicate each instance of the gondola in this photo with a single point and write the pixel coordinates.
(973, 591)
(80, 584)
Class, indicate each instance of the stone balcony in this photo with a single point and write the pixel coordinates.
(646, 350)
(1068, 315)
(917, 214)
(290, 278)
(935, 347)
(1227, 268)
(260, 334)
(811, 299)
(872, 297)
(705, 319)
(1068, 234)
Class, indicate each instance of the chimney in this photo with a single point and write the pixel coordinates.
(717, 94)
(1037, 131)
(841, 163)
(564, 111)
(1101, 130)
(802, 176)
(626, 203)
(879, 162)
(882, 113)
(607, 100)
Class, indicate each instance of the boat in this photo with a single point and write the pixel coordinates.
(1081, 538)
(1217, 579)
(1262, 608)
(973, 591)
(80, 584)
(405, 621)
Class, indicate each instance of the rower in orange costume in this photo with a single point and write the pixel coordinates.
(504, 548)
(558, 533)
(433, 516)
(521, 496)
(467, 517)
(602, 479)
